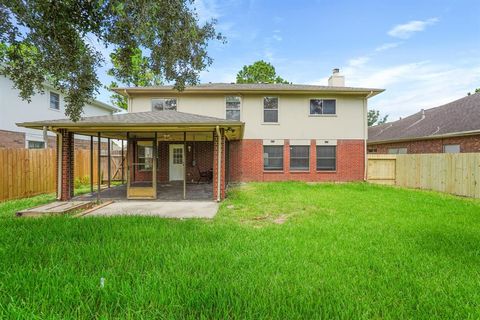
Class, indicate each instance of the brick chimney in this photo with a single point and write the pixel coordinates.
(336, 80)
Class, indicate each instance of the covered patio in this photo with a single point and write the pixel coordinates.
(171, 155)
(171, 191)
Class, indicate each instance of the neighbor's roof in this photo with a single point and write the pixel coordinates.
(250, 88)
(459, 117)
(136, 119)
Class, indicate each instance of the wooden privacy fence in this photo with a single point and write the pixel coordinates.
(455, 173)
(28, 172)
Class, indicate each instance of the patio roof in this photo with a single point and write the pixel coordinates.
(151, 121)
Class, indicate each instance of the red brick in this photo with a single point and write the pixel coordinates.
(246, 163)
(467, 144)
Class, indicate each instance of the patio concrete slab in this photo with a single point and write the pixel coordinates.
(165, 209)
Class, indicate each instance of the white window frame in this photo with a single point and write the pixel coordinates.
(278, 110)
(452, 145)
(283, 158)
(239, 109)
(317, 158)
(163, 98)
(59, 100)
(307, 169)
(36, 141)
(397, 150)
(323, 114)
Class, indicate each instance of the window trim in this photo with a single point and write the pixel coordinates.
(307, 169)
(452, 144)
(316, 158)
(323, 114)
(36, 141)
(398, 149)
(283, 158)
(165, 98)
(240, 109)
(49, 100)
(278, 110)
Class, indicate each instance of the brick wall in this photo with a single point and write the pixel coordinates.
(246, 163)
(67, 158)
(202, 151)
(467, 144)
(15, 139)
(219, 141)
(11, 139)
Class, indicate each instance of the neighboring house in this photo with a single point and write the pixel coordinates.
(451, 128)
(49, 105)
(237, 132)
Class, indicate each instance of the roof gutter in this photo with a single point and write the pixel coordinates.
(126, 91)
(441, 136)
(123, 124)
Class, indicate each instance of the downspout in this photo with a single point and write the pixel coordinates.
(59, 165)
(128, 100)
(365, 133)
(219, 162)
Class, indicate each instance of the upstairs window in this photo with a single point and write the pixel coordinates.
(162, 104)
(232, 108)
(273, 157)
(270, 109)
(54, 101)
(326, 158)
(299, 158)
(321, 107)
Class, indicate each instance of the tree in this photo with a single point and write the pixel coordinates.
(139, 75)
(259, 72)
(373, 118)
(476, 91)
(60, 42)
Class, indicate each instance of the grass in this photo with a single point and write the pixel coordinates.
(275, 250)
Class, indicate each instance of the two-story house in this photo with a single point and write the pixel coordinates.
(230, 133)
(49, 105)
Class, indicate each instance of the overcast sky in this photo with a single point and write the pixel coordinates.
(424, 53)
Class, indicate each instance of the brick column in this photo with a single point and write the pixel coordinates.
(67, 175)
(216, 141)
(313, 156)
(286, 157)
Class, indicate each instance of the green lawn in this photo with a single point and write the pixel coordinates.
(275, 250)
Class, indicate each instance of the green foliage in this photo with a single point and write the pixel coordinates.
(81, 181)
(136, 74)
(373, 117)
(60, 42)
(476, 91)
(259, 72)
(343, 251)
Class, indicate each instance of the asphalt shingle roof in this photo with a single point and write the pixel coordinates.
(166, 117)
(462, 115)
(237, 87)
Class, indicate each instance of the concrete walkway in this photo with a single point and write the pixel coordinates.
(165, 209)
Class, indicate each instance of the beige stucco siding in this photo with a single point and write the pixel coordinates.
(294, 121)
